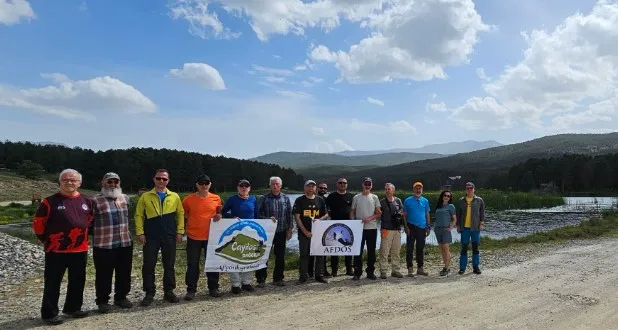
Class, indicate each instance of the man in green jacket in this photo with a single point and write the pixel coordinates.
(159, 225)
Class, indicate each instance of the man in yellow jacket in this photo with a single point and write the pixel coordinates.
(159, 225)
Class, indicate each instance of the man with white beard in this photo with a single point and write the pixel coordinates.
(113, 247)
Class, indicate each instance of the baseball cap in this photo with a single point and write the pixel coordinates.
(469, 184)
(417, 183)
(244, 182)
(308, 182)
(367, 179)
(203, 178)
(110, 175)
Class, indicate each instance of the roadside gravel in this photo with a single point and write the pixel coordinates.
(513, 282)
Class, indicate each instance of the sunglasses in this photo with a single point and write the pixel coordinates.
(244, 185)
(161, 179)
(203, 183)
(322, 188)
(342, 182)
(367, 184)
(469, 188)
(113, 181)
(447, 196)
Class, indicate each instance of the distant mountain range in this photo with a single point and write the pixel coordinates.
(449, 148)
(483, 163)
(355, 160)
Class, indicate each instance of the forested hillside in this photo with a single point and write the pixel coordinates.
(308, 160)
(136, 166)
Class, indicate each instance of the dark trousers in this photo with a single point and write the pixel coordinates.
(55, 266)
(312, 262)
(167, 245)
(334, 263)
(279, 244)
(194, 251)
(417, 235)
(370, 237)
(106, 262)
(304, 246)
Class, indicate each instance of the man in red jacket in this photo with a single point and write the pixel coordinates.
(61, 224)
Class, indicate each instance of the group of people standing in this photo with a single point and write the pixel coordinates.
(64, 220)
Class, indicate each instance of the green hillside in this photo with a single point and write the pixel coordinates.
(298, 160)
(481, 164)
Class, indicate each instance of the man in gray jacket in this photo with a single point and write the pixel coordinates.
(470, 222)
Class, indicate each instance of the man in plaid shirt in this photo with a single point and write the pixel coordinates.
(276, 206)
(113, 247)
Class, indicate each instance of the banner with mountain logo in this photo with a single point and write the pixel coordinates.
(336, 237)
(239, 245)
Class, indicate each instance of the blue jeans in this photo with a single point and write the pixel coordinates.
(468, 235)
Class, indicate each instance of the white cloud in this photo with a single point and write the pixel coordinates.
(316, 80)
(300, 68)
(274, 16)
(202, 23)
(272, 79)
(295, 94)
(565, 82)
(375, 101)
(439, 107)
(402, 126)
(201, 74)
(13, 11)
(413, 40)
(334, 89)
(78, 99)
(480, 72)
(317, 130)
(272, 71)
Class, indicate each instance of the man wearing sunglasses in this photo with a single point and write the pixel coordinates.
(200, 208)
(339, 204)
(159, 225)
(366, 206)
(470, 222)
(112, 245)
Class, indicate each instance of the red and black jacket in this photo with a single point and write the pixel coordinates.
(62, 222)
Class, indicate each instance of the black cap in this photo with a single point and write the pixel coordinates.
(244, 182)
(203, 178)
(367, 179)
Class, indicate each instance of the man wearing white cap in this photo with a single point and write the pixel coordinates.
(307, 209)
(113, 247)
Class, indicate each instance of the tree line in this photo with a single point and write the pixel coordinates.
(136, 166)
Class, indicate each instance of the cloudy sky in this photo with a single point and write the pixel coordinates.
(247, 77)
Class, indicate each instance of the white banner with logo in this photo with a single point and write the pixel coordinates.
(336, 237)
(239, 245)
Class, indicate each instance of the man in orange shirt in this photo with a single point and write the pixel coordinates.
(200, 208)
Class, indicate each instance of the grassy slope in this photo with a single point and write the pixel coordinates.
(15, 188)
(305, 159)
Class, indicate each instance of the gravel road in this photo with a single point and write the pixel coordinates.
(569, 285)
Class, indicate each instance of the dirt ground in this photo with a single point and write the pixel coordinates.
(574, 287)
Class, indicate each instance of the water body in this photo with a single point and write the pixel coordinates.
(503, 224)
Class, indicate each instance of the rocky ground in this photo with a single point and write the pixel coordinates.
(536, 286)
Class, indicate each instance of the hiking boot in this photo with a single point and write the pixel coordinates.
(355, 278)
(334, 273)
(56, 320)
(77, 314)
(170, 297)
(124, 303)
(189, 296)
(326, 274)
(236, 290)
(397, 274)
(372, 277)
(349, 272)
(261, 284)
(477, 270)
(321, 279)
(279, 283)
(302, 280)
(104, 308)
(215, 293)
(420, 271)
(383, 276)
(147, 301)
(248, 287)
(410, 272)
(461, 271)
(445, 271)
(310, 275)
